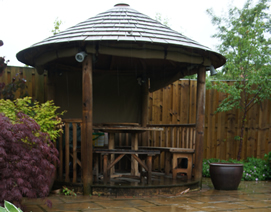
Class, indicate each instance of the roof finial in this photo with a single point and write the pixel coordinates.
(121, 5)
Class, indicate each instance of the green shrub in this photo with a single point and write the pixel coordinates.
(45, 114)
(254, 168)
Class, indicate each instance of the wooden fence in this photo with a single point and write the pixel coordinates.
(176, 104)
(36, 84)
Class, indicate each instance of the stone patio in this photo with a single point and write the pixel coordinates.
(251, 196)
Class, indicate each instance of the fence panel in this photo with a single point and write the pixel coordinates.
(36, 84)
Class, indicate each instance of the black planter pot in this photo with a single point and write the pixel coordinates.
(226, 176)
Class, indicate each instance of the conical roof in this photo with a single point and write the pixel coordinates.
(134, 41)
(122, 23)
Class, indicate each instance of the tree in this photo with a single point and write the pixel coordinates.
(57, 24)
(246, 44)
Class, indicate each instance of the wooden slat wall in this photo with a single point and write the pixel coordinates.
(176, 104)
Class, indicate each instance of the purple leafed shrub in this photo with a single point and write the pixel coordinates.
(26, 160)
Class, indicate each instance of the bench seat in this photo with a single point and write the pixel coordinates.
(172, 155)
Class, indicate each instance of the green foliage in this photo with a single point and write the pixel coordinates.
(246, 44)
(57, 24)
(68, 192)
(9, 207)
(254, 168)
(45, 114)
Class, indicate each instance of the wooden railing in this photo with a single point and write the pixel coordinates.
(174, 135)
(178, 135)
(65, 150)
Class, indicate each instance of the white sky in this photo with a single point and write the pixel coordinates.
(25, 22)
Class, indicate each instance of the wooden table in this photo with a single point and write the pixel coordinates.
(133, 129)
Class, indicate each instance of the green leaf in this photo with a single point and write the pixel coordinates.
(10, 207)
(2, 209)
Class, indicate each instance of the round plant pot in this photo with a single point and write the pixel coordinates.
(226, 176)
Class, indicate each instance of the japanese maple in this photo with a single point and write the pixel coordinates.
(26, 159)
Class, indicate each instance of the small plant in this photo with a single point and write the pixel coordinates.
(68, 192)
(256, 169)
(9, 207)
(26, 159)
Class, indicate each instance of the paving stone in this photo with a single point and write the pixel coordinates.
(115, 210)
(124, 203)
(219, 206)
(172, 201)
(72, 206)
(33, 208)
(172, 208)
(214, 199)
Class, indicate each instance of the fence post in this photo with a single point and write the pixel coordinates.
(200, 123)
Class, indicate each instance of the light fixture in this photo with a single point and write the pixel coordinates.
(80, 56)
(212, 70)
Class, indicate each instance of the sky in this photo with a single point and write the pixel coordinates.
(25, 22)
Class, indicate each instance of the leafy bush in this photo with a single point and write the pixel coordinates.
(45, 114)
(254, 168)
(25, 167)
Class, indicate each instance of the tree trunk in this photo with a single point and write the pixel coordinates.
(241, 135)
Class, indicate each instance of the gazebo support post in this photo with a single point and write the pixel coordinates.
(200, 123)
(87, 105)
(144, 111)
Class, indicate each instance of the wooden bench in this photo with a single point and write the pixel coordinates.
(171, 159)
(148, 154)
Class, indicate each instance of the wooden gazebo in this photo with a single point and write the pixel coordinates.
(125, 54)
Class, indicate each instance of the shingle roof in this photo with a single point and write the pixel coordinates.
(121, 26)
(122, 23)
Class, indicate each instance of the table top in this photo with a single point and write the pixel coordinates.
(125, 129)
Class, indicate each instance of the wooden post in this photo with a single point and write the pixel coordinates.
(134, 146)
(144, 115)
(87, 105)
(67, 153)
(200, 123)
(111, 145)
